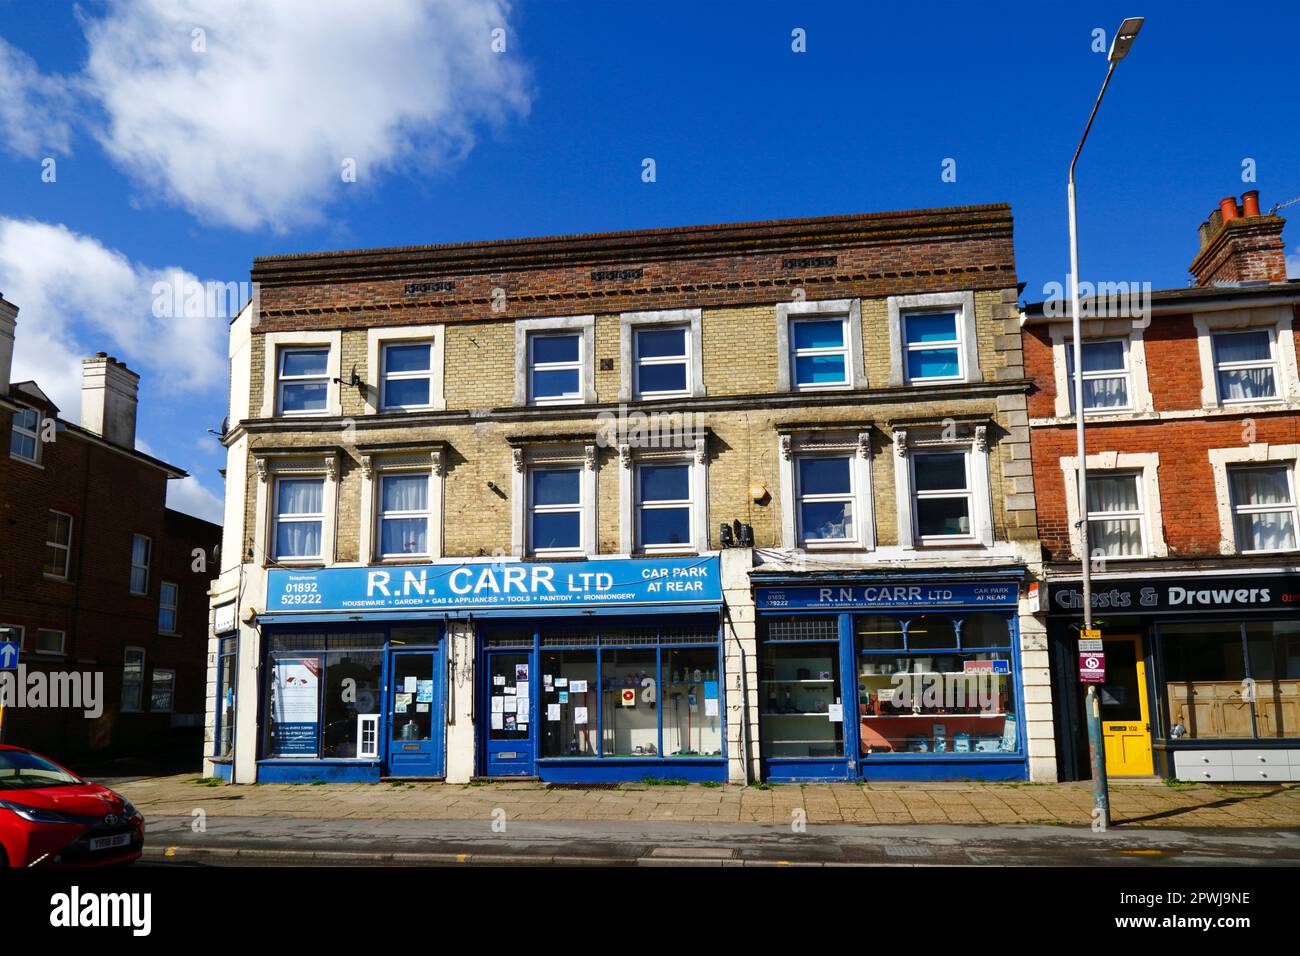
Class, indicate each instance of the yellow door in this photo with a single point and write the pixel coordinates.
(1125, 717)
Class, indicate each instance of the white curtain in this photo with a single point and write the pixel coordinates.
(1116, 536)
(406, 493)
(1104, 392)
(1270, 531)
(1261, 486)
(1112, 493)
(297, 539)
(1243, 383)
(1120, 537)
(302, 497)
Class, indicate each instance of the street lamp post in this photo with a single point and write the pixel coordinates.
(1124, 38)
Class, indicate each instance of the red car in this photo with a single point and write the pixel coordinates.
(51, 817)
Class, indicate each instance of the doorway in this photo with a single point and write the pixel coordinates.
(509, 744)
(414, 715)
(1125, 708)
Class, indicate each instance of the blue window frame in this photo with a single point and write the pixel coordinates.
(664, 507)
(555, 510)
(662, 362)
(304, 381)
(819, 352)
(408, 376)
(555, 367)
(933, 346)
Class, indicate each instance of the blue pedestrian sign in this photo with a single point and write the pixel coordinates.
(8, 656)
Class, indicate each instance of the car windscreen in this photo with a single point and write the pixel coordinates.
(20, 770)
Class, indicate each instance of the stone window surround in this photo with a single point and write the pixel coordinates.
(1260, 453)
(1276, 318)
(850, 309)
(630, 322)
(794, 445)
(931, 302)
(562, 454)
(373, 467)
(269, 468)
(1061, 333)
(909, 440)
(273, 342)
(1145, 463)
(586, 324)
(697, 458)
(377, 338)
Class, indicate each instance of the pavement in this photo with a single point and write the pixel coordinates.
(1151, 804)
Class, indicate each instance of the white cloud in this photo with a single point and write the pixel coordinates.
(76, 297)
(189, 495)
(33, 107)
(1293, 264)
(254, 130)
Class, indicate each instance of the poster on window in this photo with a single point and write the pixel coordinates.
(295, 706)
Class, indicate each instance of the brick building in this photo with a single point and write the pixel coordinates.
(97, 576)
(671, 503)
(1193, 437)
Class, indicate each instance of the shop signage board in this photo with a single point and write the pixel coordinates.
(515, 584)
(1092, 667)
(1190, 594)
(1004, 595)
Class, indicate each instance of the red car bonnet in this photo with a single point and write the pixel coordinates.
(84, 799)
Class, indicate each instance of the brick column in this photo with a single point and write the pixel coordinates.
(740, 661)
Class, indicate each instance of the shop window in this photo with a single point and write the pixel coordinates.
(629, 699)
(933, 346)
(227, 651)
(878, 633)
(318, 685)
(24, 440)
(943, 500)
(58, 544)
(663, 362)
(1115, 516)
(943, 689)
(1264, 507)
(1205, 689)
(555, 364)
(141, 547)
(407, 376)
(571, 694)
(404, 515)
(303, 383)
(819, 352)
(555, 510)
(1245, 365)
(825, 487)
(168, 597)
(692, 702)
(299, 518)
(663, 507)
(800, 709)
(1106, 376)
(50, 641)
(162, 691)
(132, 679)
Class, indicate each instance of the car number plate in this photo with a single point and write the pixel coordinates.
(107, 843)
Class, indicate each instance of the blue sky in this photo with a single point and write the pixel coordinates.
(169, 157)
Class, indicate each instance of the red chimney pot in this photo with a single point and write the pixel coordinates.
(1228, 208)
(1250, 203)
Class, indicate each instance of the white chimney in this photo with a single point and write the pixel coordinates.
(108, 399)
(8, 321)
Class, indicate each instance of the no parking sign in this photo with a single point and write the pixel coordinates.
(1092, 667)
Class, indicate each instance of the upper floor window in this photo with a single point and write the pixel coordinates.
(1245, 365)
(1106, 375)
(825, 487)
(664, 505)
(404, 515)
(943, 502)
(1116, 518)
(555, 510)
(408, 376)
(299, 517)
(25, 439)
(303, 381)
(50, 641)
(819, 352)
(555, 363)
(933, 345)
(1264, 507)
(140, 548)
(662, 358)
(168, 598)
(58, 544)
(132, 679)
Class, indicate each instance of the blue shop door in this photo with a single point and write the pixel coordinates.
(414, 716)
(509, 717)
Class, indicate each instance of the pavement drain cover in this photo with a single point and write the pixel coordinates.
(693, 852)
(907, 851)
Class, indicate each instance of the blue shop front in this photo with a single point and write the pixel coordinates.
(890, 678)
(582, 671)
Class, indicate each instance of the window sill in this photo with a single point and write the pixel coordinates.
(837, 387)
(62, 579)
(27, 461)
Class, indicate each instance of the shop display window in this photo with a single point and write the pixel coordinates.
(935, 684)
(801, 710)
(1231, 679)
(692, 702)
(629, 703)
(572, 692)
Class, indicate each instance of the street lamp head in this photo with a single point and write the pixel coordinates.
(1124, 37)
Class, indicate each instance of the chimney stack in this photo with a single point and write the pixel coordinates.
(1240, 244)
(109, 394)
(8, 322)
